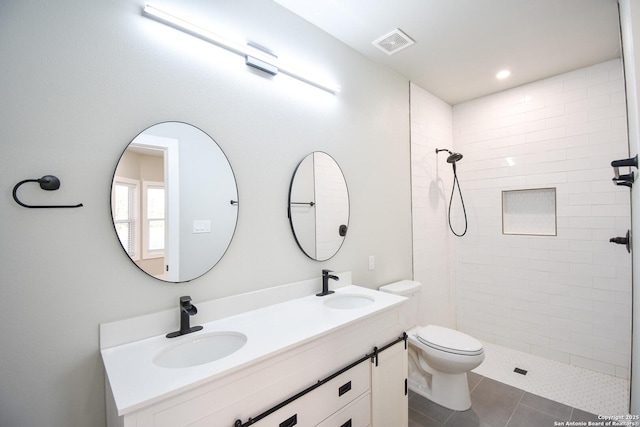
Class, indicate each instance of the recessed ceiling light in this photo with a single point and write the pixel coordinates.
(503, 74)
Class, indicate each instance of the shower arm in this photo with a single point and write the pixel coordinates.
(443, 149)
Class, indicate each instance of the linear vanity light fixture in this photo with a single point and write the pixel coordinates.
(255, 56)
(262, 64)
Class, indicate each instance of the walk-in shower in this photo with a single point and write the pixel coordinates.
(453, 159)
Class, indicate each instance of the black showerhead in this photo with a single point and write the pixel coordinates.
(454, 157)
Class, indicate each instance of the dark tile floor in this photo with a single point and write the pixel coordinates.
(494, 404)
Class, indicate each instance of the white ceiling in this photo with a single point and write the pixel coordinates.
(460, 45)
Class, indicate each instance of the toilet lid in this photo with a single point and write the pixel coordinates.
(449, 340)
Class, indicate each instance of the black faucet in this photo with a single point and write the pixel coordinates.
(325, 282)
(186, 310)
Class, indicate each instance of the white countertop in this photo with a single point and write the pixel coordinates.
(137, 382)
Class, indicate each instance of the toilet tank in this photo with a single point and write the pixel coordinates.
(411, 310)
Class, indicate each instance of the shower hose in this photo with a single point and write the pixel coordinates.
(464, 211)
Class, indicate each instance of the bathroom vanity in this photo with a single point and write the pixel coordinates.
(291, 359)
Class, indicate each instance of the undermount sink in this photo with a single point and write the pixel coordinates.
(200, 349)
(348, 301)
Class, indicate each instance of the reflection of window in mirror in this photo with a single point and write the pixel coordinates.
(124, 203)
(153, 213)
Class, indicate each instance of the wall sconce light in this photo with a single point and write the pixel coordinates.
(255, 56)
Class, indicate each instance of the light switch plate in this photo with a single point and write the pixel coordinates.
(202, 226)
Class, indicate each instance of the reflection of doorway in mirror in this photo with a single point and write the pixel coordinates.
(152, 161)
(302, 207)
(332, 205)
(319, 206)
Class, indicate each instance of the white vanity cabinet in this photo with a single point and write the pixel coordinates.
(328, 379)
(330, 402)
(373, 393)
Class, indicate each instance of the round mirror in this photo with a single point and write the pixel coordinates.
(174, 202)
(319, 206)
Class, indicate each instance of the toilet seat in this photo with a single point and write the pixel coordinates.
(449, 340)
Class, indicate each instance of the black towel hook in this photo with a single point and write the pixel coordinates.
(47, 182)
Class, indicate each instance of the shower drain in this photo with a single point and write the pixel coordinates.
(520, 371)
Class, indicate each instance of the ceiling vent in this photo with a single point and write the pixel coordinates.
(393, 42)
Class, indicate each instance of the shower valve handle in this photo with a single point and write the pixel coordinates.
(626, 240)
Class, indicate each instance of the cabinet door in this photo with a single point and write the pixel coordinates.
(389, 400)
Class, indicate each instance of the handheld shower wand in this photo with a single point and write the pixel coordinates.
(453, 158)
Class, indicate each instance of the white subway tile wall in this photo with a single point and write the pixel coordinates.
(564, 297)
(433, 256)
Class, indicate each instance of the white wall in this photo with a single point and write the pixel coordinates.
(79, 81)
(567, 297)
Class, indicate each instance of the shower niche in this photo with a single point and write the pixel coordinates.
(529, 212)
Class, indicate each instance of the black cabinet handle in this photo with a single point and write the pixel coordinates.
(347, 424)
(345, 388)
(290, 422)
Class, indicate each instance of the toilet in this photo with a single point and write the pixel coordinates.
(439, 357)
